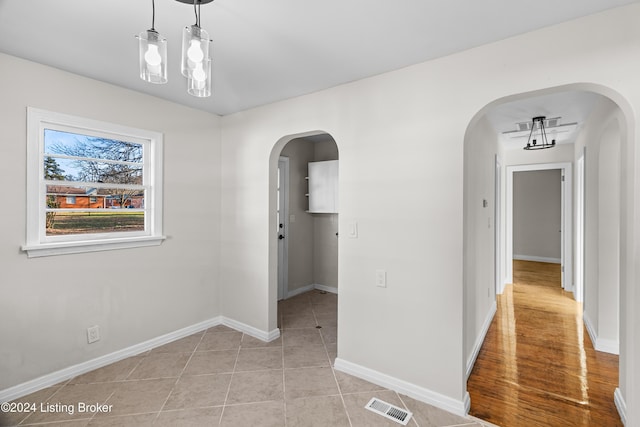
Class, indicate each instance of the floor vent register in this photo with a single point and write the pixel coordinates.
(389, 411)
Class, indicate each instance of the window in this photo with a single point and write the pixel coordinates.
(91, 185)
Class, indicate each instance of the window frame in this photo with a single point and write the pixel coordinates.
(37, 242)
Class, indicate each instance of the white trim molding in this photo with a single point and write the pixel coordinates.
(621, 405)
(326, 288)
(298, 291)
(53, 378)
(537, 258)
(266, 336)
(600, 344)
(458, 407)
(471, 361)
(567, 220)
(311, 287)
(50, 249)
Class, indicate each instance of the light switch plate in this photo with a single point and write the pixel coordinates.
(353, 230)
(381, 278)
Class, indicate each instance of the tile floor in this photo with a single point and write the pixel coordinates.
(221, 377)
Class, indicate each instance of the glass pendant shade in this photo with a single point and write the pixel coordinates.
(199, 84)
(153, 57)
(195, 50)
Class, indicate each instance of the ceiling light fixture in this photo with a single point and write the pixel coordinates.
(537, 125)
(153, 53)
(196, 57)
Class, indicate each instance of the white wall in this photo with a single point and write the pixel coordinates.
(401, 140)
(537, 215)
(325, 227)
(560, 154)
(602, 139)
(609, 234)
(401, 137)
(479, 245)
(47, 303)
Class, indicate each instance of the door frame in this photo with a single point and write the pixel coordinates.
(580, 222)
(283, 244)
(567, 221)
(497, 228)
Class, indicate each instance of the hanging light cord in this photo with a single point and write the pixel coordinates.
(196, 10)
(153, 15)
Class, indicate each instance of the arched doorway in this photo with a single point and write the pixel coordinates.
(305, 254)
(479, 302)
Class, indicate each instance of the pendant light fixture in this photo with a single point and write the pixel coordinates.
(196, 57)
(153, 53)
(196, 62)
(537, 127)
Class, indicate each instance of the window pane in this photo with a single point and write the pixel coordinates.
(104, 221)
(77, 145)
(59, 169)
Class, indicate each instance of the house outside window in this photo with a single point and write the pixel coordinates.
(91, 185)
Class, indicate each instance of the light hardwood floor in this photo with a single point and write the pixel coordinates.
(537, 366)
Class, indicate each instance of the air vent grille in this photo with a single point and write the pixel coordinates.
(389, 411)
(548, 123)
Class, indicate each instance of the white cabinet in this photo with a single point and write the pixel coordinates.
(323, 187)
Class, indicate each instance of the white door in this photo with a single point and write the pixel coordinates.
(282, 216)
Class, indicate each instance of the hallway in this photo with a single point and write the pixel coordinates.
(537, 366)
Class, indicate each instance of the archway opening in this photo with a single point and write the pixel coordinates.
(303, 218)
(485, 228)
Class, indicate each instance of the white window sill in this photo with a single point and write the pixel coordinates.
(63, 248)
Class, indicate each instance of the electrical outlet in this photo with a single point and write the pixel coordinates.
(93, 334)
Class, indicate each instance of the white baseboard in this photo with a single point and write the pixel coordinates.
(325, 288)
(298, 291)
(311, 287)
(48, 380)
(590, 329)
(608, 346)
(537, 259)
(600, 344)
(250, 330)
(458, 407)
(480, 339)
(621, 405)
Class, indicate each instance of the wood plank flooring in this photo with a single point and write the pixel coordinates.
(537, 366)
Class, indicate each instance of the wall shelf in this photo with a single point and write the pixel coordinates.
(323, 187)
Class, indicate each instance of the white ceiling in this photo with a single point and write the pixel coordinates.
(265, 51)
